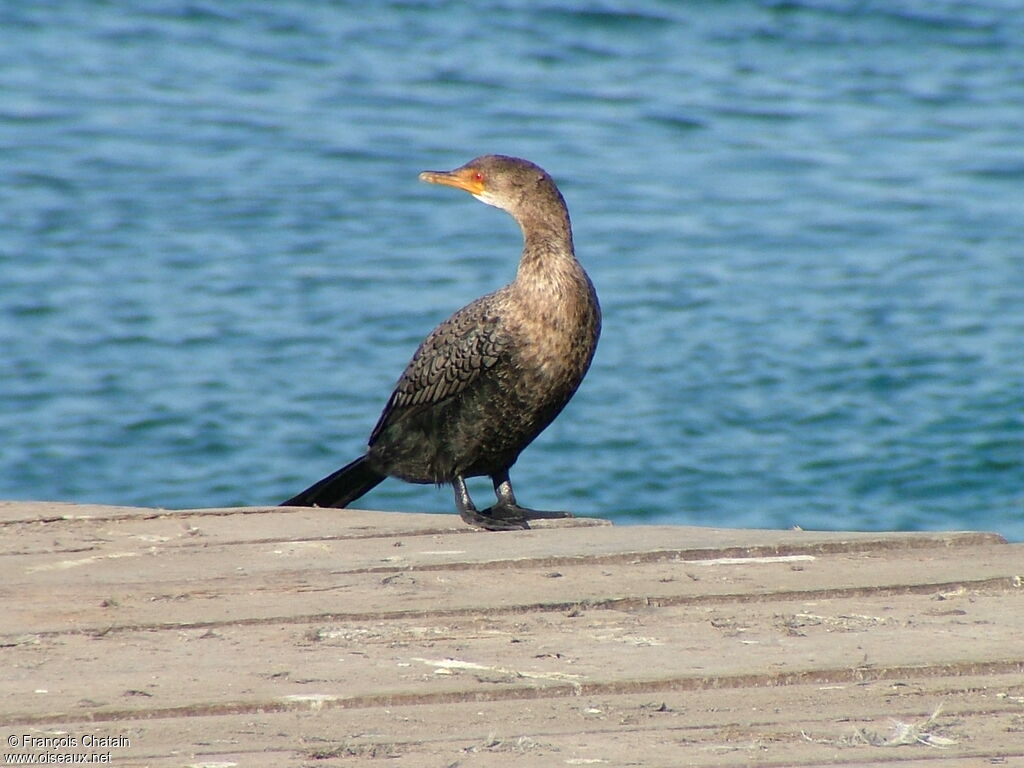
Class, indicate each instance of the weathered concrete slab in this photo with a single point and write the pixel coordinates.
(321, 637)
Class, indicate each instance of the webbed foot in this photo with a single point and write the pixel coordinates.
(507, 508)
(506, 511)
(506, 514)
(486, 519)
(494, 522)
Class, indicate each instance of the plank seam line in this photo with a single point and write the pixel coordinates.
(320, 702)
(703, 553)
(1001, 583)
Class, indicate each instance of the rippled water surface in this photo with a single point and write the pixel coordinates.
(804, 220)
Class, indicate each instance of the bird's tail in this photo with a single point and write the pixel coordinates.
(340, 488)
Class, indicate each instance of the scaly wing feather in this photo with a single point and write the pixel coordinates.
(454, 354)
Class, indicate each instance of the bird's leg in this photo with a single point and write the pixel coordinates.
(508, 508)
(468, 512)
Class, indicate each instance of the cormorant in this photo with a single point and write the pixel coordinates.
(491, 377)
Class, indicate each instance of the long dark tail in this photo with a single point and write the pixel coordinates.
(340, 488)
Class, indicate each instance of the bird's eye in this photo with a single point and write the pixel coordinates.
(477, 176)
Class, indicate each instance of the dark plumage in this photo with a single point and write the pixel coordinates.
(491, 377)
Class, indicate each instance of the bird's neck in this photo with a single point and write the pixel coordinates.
(547, 248)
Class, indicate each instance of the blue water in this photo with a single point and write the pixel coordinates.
(804, 219)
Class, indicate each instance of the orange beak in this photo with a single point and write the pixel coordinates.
(461, 178)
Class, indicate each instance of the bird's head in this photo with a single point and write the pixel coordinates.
(510, 183)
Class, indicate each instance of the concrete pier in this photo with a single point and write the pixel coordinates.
(309, 637)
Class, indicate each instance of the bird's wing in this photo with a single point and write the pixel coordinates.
(453, 356)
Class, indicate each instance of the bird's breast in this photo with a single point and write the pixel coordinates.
(557, 325)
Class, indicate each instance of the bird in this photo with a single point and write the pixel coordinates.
(489, 379)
